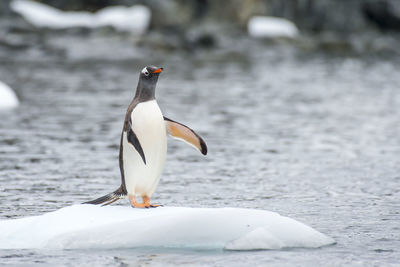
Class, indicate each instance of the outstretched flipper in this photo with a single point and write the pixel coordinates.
(184, 133)
(133, 140)
(120, 193)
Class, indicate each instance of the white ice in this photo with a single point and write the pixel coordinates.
(89, 226)
(8, 99)
(271, 27)
(134, 19)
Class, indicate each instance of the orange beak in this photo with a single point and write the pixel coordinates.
(159, 70)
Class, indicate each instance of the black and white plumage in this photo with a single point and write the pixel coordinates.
(143, 144)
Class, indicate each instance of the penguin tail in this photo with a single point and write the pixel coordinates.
(120, 193)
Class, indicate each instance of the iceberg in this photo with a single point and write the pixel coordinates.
(271, 27)
(134, 19)
(8, 99)
(89, 227)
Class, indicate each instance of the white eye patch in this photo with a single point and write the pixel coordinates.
(145, 71)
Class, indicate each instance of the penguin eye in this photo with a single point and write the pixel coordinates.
(145, 71)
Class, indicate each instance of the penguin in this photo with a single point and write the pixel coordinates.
(143, 144)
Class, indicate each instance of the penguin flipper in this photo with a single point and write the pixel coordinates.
(133, 140)
(184, 133)
(120, 193)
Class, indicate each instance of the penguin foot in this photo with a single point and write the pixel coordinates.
(139, 205)
(146, 203)
(155, 206)
(134, 204)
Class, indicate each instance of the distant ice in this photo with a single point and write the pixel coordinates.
(8, 99)
(134, 19)
(88, 226)
(271, 27)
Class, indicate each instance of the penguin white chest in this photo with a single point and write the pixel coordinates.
(149, 126)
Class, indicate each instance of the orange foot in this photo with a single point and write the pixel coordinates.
(146, 203)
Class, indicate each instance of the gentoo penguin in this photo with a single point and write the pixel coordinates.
(143, 145)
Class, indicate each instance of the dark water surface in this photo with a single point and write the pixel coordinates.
(310, 136)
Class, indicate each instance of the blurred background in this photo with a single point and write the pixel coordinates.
(298, 101)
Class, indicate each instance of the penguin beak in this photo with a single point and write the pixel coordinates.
(159, 70)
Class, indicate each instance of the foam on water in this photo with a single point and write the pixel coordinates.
(88, 226)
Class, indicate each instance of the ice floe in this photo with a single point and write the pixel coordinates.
(134, 19)
(8, 99)
(271, 27)
(89, 226)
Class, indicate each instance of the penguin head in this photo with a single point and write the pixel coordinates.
(150, 73)
(147, 83)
